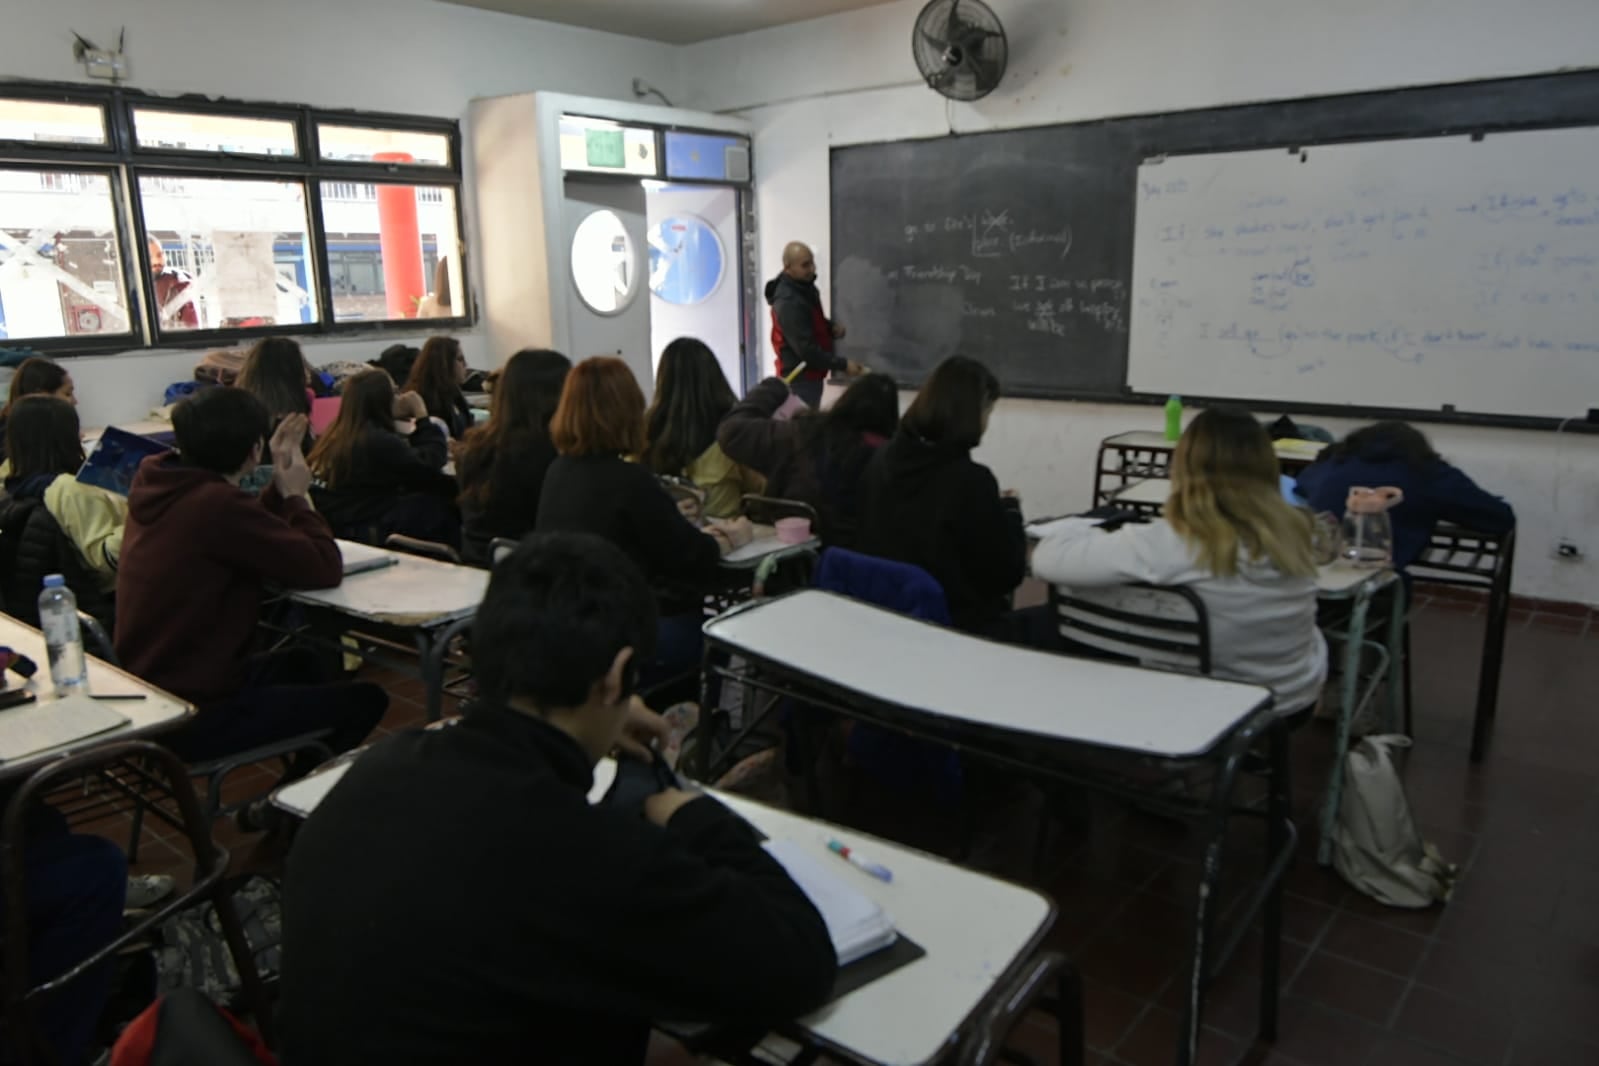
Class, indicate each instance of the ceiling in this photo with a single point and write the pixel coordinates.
(672, 21)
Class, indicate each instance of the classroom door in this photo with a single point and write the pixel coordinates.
(695, 278)
(610, 309)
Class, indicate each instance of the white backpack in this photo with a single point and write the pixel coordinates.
(1376, 846)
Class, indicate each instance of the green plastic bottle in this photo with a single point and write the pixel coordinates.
(1174, 418)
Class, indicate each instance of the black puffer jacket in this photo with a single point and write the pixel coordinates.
(33, 546)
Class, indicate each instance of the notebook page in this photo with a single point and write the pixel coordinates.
(857, 925)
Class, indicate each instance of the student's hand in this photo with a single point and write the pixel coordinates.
(854, 369)
(736, 531)
(838, 329)
(640, 729)
(660, 807)
(291, 474)
(287, 438)
(409, 406)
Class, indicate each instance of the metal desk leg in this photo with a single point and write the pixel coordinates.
(1349, 684)
(1279, 815)
(1493, 655)
(1205, 910)
(434, 648)
(1398, 662)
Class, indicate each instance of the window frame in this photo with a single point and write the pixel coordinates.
(125, 162)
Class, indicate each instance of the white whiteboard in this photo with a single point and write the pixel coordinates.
(1409, 274)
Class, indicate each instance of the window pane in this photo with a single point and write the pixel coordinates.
(361, 144)
(192, 132)
(391, 251)
(227, 253)
(47, 122)
(60, 264)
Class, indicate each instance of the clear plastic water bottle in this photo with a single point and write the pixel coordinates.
(58, 617)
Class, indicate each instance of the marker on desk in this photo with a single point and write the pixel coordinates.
(794, 374)
(851, 856)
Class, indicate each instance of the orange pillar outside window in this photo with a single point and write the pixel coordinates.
(400, 240)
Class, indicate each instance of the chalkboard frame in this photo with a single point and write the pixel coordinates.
(1557, 100)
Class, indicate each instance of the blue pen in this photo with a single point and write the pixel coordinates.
(854, 858)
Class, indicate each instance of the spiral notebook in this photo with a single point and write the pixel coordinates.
(857, 924)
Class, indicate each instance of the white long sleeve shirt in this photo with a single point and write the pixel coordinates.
(1262, 623)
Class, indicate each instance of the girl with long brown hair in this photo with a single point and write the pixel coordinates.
(437, 377)
(1228, 534)
(380, 467)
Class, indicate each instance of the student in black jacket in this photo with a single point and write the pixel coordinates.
(593, 488)
(924, 501)
(380, 467)
(457, 900)
(437, 376)
(814, 458)
(502, 462)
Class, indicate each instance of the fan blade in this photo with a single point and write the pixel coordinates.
(941, 46)
(972, 40)
(954, 20)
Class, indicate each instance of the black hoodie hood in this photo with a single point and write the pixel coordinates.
(783, 285)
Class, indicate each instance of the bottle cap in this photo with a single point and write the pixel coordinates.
(54, 581)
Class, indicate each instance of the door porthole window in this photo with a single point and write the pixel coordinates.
(604, 263)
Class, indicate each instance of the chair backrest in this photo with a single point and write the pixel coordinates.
(428, 549)
(900, 587)
(768, 509)
(96, 641)
(1163, 626)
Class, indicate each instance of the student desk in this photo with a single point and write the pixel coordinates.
(1079, 719)
(919, 1011)
(1128, 458)
(157, 712)
(416, 602)
(766, 547)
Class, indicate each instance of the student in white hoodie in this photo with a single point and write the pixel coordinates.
(1228, 534)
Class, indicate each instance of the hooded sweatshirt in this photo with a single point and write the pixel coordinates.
(1262, 622)
(931, 506)
(197, 555)
(801, 333)
(1434, 492)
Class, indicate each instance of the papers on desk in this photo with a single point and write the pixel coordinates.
(359, 558)
(302, 797)
(35, 727)
(858, 926)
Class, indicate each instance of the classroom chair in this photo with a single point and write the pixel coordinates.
(215, 771)
(768, 509)
(1160, 626)
(136, 766)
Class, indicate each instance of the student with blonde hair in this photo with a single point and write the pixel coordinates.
(1228, 534)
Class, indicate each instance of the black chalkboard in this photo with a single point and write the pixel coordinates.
(1014, 247)
(955, 244)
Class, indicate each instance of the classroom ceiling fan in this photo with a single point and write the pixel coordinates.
(960, 48)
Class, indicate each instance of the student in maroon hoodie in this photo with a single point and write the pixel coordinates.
(197, 554)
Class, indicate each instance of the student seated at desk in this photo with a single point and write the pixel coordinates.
(50, 522)
(196, 558)
(592, 488)
(380, 467)
(1228, 534)
(457, 900)
(437, 377)
(1398, 454)
(691, 398)
(925, 502)
(502, 462)
(36, 377)
(816, 458)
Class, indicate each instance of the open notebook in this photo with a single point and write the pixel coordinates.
(359, 558)
(858, 926)
(34, 727)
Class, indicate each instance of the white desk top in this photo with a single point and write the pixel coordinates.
(766, 543)
(412, 592)
(158, 711)
(911, 664)
(909, 1015)
(1339, 580)
(1151, 492)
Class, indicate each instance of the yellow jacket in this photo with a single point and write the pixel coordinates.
(92, 519)
(724, 482)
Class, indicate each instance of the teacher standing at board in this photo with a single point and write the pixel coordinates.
(801, 332)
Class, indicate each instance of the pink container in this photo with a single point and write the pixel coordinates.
(793, 530)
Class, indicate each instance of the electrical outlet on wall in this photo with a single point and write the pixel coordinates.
(1567, 551)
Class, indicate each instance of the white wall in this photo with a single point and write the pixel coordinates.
(405, 56)
(850, 79)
